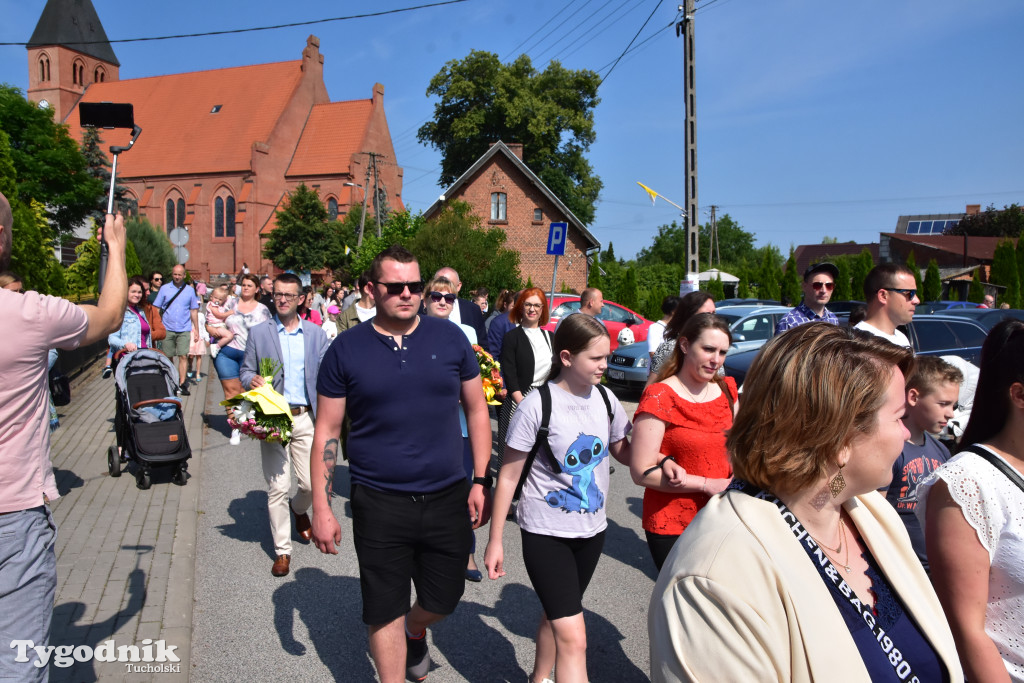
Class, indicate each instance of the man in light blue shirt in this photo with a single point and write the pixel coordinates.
(298, 346)
(179, 309)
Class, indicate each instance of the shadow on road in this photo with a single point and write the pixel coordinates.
(251, 521)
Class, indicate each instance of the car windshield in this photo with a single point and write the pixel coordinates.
(729, 318)
(565, 309)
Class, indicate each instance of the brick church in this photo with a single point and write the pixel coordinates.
(220, 149)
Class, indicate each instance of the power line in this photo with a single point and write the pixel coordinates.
(630, 43)
(555, 28)
(539, 29)
(568, 33)
(264, 28)
(594, 34)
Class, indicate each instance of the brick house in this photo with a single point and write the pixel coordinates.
(506, 194)
(220, 149)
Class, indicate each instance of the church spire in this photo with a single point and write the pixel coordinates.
(75, 25)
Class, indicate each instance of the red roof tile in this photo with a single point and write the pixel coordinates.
(979, 248)
(180, 135)
(333, 133)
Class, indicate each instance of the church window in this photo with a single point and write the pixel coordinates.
(44, 68)
(174, 213)
(99, 76)
(224, 215)
(332, 208)
(78, 72)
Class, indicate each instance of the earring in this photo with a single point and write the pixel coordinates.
(837, 483)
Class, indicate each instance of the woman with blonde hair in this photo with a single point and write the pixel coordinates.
(801, 570)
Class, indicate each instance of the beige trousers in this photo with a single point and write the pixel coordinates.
(278, 462)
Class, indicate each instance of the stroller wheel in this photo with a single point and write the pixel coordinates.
(143, 480)
(114, 461)
(180, 476)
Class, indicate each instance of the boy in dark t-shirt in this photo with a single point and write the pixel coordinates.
(932, 390)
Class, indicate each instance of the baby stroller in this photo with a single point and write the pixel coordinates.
(148, 420)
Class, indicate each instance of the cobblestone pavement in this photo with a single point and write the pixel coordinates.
(191, 566)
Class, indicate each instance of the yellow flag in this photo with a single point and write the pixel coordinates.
(649, 191)
(347, 250)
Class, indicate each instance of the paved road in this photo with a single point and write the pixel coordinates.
(191, 565)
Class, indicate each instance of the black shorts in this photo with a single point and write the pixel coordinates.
(401, 537)
(560, 570)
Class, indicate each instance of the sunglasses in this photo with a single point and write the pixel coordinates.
(827, 286)
(909, 293)
(437, 296)
(397, 288)
(157, 279)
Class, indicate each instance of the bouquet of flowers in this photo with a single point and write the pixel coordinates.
(262, 413)
(490, 375)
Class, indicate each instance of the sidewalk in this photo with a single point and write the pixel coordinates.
(125, 557)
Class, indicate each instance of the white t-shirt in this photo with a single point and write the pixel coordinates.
(365, 314)
(994, 507)
(540, 342)
(571, 503)
(897, 337)
(655, 335)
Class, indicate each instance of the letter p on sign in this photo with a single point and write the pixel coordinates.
(556, 239)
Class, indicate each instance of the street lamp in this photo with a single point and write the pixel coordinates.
(362, 217)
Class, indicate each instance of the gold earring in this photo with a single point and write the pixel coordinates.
(837, 483)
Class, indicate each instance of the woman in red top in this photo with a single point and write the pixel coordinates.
(679, 433)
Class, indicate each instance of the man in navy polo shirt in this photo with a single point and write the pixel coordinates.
(400, 379)
(179, 308)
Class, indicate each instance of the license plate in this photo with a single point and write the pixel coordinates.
(616, 374)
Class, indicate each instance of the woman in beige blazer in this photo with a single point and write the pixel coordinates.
(801, 571)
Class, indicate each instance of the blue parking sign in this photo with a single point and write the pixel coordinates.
(556, 239)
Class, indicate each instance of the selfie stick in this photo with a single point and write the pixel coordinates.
(104, 249)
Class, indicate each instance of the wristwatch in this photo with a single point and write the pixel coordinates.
(487, 482)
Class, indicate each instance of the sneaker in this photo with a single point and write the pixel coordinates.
(190, 375)
(417, 657)
(183, 391)
(236, 437)
(107, 372)
(214, 350)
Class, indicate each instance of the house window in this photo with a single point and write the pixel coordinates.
(175, 213)
(332, 208)
(498, 202)
(224, 216)
(44, 68)
(538, 215)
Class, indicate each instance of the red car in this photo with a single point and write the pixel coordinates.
(614, 317)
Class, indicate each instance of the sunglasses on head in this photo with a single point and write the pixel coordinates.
(397, 288)
(437, 296)
(827, 286)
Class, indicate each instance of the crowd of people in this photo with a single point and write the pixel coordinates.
(814, 526)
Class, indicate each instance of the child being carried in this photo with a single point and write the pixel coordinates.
(218, 308)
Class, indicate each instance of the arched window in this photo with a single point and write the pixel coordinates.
(174, 213)
(332, 208)
(78, 72)
(224, 215)
(98, 75)
(44, 68)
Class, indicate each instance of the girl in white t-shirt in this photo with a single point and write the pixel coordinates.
(561, 512)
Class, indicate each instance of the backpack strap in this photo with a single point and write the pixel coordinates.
(542, 439)
(607, 403)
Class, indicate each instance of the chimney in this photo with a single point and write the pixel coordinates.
(973, 209)
(515, 147)
(378, 94)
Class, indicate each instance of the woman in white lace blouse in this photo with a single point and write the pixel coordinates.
(974, 519)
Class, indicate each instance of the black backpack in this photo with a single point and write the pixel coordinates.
(544, 431)
(60, 387)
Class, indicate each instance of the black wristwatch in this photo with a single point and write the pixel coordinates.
(487, 482)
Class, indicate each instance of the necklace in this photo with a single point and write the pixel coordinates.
(846, 558)
(695, 397)
(839, 528)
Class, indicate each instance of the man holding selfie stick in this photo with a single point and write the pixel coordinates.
(35, 323)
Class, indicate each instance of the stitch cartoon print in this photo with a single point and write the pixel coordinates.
(584, 495)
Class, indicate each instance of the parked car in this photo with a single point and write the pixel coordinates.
(747, 302)
(988, 317)
(930, 335)
(751, 327)
(838, 307)
(926, 307)
(614, 316)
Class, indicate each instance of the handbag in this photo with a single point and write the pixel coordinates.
(60, 387)
(157, 331)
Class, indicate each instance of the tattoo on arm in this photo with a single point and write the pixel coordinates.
(330, 460)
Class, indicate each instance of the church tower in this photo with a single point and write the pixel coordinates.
(68, 52)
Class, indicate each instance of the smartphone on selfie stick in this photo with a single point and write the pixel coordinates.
(109, 115)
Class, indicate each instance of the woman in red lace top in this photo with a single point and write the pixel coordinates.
(679, 433)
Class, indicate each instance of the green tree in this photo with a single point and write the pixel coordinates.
(399, 228)
(608, 255)
(298, 241)
(629, 294)
(49, 166)
(482, 101)
(669, 246)
(976, 292)
(769, 273)
(1020, 263)
(791, 290)
(1004, 273)
(843, 291)
(992, 222)
(932, 282)
(151, 245)
(859, 270)
(743, 291)
(714, 288)
(912, 265)
(456, 239)
(736, 245)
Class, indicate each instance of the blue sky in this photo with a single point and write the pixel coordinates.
(814, 118)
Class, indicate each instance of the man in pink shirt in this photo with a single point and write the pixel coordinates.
(33, 324)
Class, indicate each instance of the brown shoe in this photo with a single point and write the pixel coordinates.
(303, 526)
(280, 567)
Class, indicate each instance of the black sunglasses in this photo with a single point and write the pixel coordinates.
(909, 293)
(397, 288)
(437, 296)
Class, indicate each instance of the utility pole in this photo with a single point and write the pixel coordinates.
(376, 191)
(717, 258)
(685, 29)
(362, 218)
